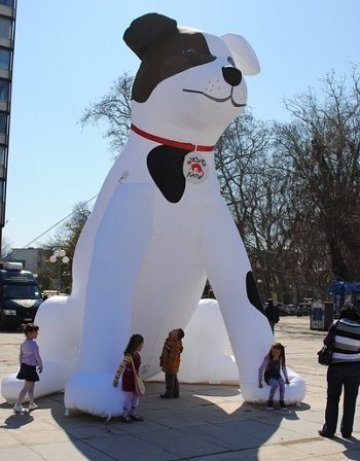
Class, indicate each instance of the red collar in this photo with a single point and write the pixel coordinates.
(168, 142)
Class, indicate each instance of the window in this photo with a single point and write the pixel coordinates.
(21, 291)
(2, 162)
(7, 3)
(2, 156)
(4, 59)
(5, 28)
(3, 119)
(2, 201)
(4, 90)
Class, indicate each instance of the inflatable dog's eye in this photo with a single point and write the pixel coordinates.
(189, 51)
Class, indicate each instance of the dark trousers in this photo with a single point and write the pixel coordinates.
(172, 385)
(339, 375)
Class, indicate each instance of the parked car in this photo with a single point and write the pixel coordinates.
(20, 295)
(289, 309)
(303, 309)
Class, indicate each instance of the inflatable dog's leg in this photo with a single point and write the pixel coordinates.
(119, 245)
(230, 276)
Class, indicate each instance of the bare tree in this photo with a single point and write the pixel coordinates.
(66, 238)
(254, 187)
(322, 151)
(114, 111)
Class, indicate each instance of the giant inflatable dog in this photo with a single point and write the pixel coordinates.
(159, 228)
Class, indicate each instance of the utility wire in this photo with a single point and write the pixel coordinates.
(55, 225)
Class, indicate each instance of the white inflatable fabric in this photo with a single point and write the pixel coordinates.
(208, 356)
(158, 229)
(60, 323)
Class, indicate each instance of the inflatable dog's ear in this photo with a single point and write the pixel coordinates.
(147, 29)
(243, 54)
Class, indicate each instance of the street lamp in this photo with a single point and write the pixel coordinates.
(59, 257)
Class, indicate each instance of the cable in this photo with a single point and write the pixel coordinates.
(55, 225)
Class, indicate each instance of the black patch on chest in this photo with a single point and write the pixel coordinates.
(165, 166)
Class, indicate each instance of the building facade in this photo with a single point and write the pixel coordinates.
(7, 40)
(35, 260)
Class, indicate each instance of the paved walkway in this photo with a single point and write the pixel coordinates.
(208, 423)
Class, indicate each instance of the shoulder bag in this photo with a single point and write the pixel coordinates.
(325, 353)
(139, 383)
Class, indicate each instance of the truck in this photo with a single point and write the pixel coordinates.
(20, 296)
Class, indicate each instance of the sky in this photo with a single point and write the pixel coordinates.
(69, 53)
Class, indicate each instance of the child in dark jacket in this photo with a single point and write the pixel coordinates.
(170, 362)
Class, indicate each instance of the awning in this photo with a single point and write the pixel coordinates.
(339, 286)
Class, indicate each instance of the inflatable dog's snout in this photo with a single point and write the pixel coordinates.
(232, 76)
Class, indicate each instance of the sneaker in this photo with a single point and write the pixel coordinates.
(33, 406)
(136, 418)
(19, 409)
(126, 419)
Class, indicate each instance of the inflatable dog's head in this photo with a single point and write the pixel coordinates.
(191, 77)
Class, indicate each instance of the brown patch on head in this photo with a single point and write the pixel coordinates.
(146, 30)
(164, 51)
(179, 52)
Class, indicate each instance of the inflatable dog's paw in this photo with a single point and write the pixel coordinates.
(294, 392)
(94, 393)
(59, 320)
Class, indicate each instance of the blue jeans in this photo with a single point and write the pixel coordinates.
(131, 402)
(339, 375)
(274, 384)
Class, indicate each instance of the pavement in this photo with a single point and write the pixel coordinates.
(207, 423)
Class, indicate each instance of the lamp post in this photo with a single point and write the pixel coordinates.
(59, 257)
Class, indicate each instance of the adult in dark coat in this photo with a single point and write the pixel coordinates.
(272, 313)
(343, 372)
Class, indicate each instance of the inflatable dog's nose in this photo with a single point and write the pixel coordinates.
(232, 76)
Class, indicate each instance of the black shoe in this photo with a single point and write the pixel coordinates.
(345, 435)
(325, 434)
(165, 396)
(283, 406)
(126, 419)
(270, 405)
(136, 418)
